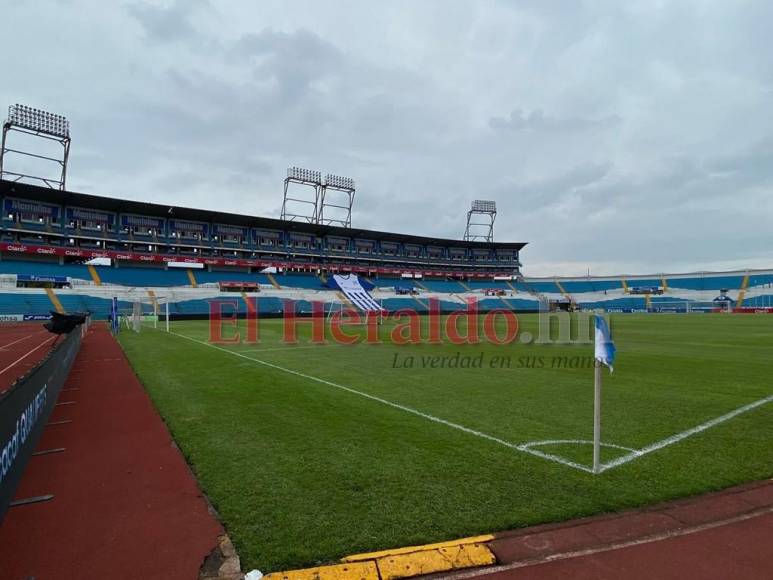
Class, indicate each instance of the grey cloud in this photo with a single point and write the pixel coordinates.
(537, 121)
(616, 136)
(166, 24)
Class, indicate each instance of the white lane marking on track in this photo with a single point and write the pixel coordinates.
(677, 533)
(15, 341)
(17, 361)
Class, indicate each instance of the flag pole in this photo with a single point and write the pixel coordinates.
(597, 417)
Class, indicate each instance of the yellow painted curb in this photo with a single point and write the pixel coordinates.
(355, 571)
(401, 562)
(433, 561)
(411, 549)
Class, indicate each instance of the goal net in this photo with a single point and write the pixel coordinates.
(338, 308)
(145, 312)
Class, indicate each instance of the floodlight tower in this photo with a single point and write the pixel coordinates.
(38, 123)
(482, 230)
(344, 190)
(309, 190)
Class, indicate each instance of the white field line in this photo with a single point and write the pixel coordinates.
(18, 360)
(528, 448)
(685, 434)
(556, 458)
(523, 447)
(572, 442)
(290, 348)
(362, 394)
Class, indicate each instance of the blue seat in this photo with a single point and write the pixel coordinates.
(77, 271)
(206, 277)
(448, 286)
(136, 276)
(579, 286)
(706, 282)
(760, 280)
(541, 287)
(307, 281)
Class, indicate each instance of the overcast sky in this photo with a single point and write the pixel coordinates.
(631, 137)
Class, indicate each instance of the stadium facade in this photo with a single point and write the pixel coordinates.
(187, 257)
(86, 226)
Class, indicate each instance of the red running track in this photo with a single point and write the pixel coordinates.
(719, 535)
(22, 346)
(738, 550)
(125, 505)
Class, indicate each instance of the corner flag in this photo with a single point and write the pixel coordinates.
(605, 348)
(605, 355)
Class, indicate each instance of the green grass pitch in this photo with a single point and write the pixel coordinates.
(302, 471)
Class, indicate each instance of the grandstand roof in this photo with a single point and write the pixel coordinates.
(48, 195)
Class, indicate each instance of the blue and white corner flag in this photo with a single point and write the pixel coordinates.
(605, 348)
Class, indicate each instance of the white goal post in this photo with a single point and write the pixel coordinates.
(147, 311)
(340, 306)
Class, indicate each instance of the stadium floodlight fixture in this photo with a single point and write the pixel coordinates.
(481, 230)
(39, 121)
(339, 181)
(483, 205)
(307, 175)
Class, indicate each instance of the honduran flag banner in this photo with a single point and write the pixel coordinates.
(605, 348)
(353, 289)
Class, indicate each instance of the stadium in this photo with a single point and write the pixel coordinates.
(191, 392)
(50, 239)
(364, 442)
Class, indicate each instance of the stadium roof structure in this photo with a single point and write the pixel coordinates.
(47, 195)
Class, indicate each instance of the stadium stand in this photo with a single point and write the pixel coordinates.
(584, 286)
(446, 286)
(133, 283)
(760, 280)
(541, 286)
(215, 277)
(705, 282)
(634, 282)
(144, 277)
(308, 281)
(46, 253)
(38, 268)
